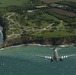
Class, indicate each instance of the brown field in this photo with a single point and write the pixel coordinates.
(72, 0)
(64, 12)
(50, 1)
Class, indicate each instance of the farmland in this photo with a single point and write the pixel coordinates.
(50, 1)
(72, 0)
(20, 2)
(60, 11)
(4, 3)
(70, 3)
(12, 2)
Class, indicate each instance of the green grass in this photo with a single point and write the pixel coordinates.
(4, 3)
(68, 3)
(50, 16)
(47, 34)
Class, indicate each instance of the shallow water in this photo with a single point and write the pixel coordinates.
(23, 61)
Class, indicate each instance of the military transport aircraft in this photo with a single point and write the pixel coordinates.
(56, 56)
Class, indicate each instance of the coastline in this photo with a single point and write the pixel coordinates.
(23, 45)
(35, 45)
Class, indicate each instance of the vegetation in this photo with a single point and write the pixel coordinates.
(70, 3)
(4, 3)
(35, 22)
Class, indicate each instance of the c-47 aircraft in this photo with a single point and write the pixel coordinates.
(56, 56)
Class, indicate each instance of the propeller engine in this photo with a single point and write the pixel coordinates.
(51, 58)
(63, 57)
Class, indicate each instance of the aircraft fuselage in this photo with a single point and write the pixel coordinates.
(56, 57)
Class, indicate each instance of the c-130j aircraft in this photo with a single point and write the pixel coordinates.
(56, 56)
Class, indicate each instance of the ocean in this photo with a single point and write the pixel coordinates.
(22, 60)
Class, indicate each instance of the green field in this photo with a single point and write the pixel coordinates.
(19, 2)
(70, 3)
(12, 2)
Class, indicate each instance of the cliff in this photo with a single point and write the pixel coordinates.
(37, 26)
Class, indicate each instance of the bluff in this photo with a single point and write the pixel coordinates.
(23, 25)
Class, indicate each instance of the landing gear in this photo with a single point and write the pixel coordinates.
(61, 59)
(52, 59)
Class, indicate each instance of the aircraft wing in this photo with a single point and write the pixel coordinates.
(67, 56)
(46, 57)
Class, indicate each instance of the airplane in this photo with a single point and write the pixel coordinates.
(56, 56)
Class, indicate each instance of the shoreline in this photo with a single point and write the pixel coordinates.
(23, 45)
(35, 45)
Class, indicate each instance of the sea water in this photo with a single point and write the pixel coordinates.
(23, 61)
